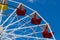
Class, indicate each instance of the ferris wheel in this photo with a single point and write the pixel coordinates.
(20, 22)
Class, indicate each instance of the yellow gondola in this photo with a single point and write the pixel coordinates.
(3, 6)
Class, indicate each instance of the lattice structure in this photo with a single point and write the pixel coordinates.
(16, 27)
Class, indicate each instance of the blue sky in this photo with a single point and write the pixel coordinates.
(49, 10)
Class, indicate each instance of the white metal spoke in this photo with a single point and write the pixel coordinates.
(19, 27)
(10, 15)
(8, 38)
(26, 36)
(25, 27)
(16, 22)
(13, 17)
(11, 8)
(11, 21)
(34, 33)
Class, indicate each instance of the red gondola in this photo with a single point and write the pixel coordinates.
(21, 11)
(35, 20)
(45, 33)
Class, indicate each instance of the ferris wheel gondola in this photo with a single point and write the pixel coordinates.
(21, 11)
(3, 5)
(35, 20)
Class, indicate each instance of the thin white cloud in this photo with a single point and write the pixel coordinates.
(31, 1)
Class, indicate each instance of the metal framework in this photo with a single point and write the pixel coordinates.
(6, 32)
